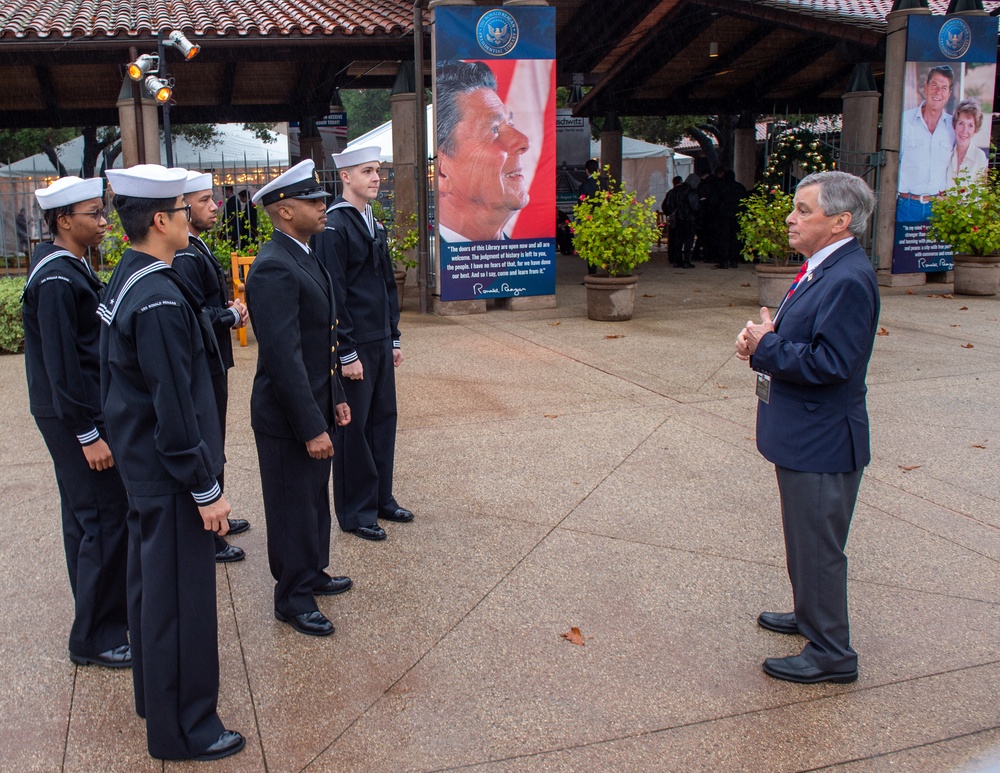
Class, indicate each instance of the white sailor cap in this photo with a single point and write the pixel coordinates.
(69, 190)
(299, 182)
(356, 156)
(148, 181)
(198, 181)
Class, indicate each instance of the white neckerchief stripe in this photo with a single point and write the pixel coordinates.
(108, 315)
(369, 219)
(43, 262)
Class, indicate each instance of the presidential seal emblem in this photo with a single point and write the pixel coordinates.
(955, 38)
(497, 32)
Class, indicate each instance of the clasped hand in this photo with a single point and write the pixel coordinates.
(749, 337)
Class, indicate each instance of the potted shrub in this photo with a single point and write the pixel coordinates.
(402, 237)
(614, 232)
(967, 218)
(764, 234)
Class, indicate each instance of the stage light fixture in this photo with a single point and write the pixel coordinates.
(178, 40)
(713, 50)
(144, 65)
(159, 88)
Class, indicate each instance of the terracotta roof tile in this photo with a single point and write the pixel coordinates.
(25, 19)
(862, 13)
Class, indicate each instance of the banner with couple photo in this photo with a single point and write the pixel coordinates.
(495, 109)
(945, 132)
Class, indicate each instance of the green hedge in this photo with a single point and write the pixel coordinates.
(11, 328)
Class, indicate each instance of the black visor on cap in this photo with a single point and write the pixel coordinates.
(305, 189)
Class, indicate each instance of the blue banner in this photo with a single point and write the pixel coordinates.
(947, 111)
(470, 32)
(495, 126)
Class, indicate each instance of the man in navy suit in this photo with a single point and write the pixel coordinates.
(812, 422)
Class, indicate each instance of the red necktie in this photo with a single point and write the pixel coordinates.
(798, 278)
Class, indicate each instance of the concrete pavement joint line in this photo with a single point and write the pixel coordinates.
(781, 565)
(246, 668)
(586, 364)
(854, 690)
(924, 499)
(941, 537)
(483, 598)
(69, 716)
(905, 749)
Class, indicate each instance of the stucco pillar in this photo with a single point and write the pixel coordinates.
(402, 108)
(611, 146)
(140, 128)
(745, 155)
(892, 114)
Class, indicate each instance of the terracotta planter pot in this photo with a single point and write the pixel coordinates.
(977, 275)
(400, 275)
(773, 283)
(610, 298)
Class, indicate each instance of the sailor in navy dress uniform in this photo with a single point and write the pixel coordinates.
(61, 342)
(156, 390)
(354, 249)
(202, 272)
(297, 402)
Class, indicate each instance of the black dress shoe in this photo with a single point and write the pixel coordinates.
(332, 586)
(797, 669)
(781, 622)
(119, 657)
(400, 515)
(374, 532)
(229, 554)
(229, 742)
(238, 525)
(312, 623)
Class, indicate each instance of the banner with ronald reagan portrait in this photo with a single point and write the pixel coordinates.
(494, 110)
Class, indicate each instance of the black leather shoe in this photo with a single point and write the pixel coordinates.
(374, 532)
(312, 623)
(400, 515)
(229, 554)
(229, 742)
(781, 622)
(797, 669)
(119, 657)
(332, 586)
(238, 525)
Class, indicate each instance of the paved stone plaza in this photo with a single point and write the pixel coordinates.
(574, 473)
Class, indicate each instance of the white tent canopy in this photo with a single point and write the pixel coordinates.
(234, 146)
(648, 169)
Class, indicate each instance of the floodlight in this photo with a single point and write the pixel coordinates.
(159, 88)
(177, 40)
(144, 65)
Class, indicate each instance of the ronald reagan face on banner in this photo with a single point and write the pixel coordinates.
(482, 182)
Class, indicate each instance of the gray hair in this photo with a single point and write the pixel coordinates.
(455, 78)
(842, 192)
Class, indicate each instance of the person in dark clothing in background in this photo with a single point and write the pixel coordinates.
(731, 196)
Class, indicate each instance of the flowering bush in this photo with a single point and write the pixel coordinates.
(967, 216)
(223, 249)
(401, 230)
(762, 227)
(613, 230)
(115, 241)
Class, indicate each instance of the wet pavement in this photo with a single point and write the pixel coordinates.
(568, 473)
